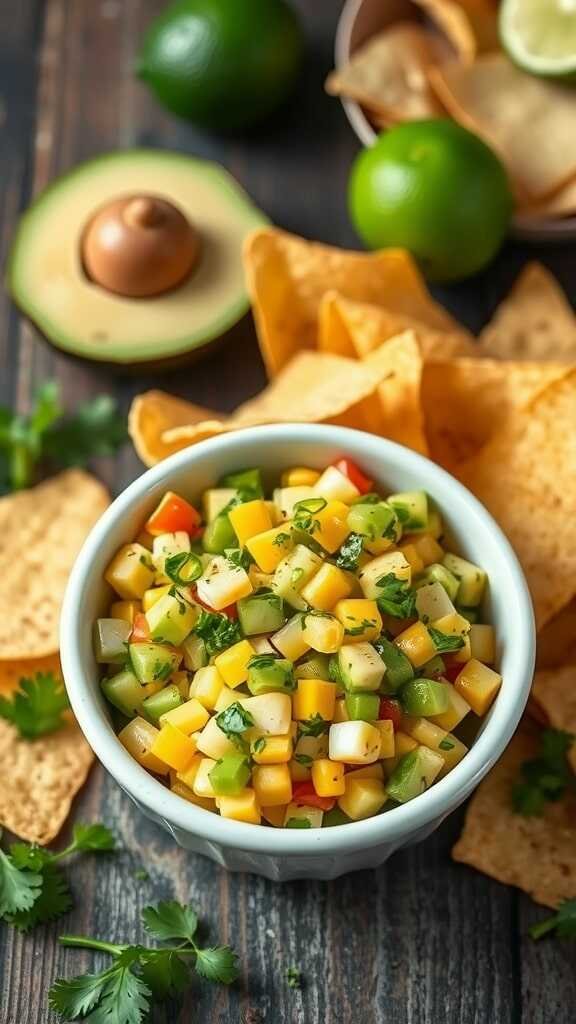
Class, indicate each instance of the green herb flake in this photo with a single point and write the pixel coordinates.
(562, 923)
(446, 642)
(37, 706)
(234, 720)
(446, 744)
(293, 975)
(396, 597)
(298, 823)
(314, 726)
(349, 554)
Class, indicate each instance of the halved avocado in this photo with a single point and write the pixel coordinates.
(47, 279)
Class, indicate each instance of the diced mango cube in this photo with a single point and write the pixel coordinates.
(428, 548)
(478, 685)
(361, 619)
(369, 771)
(138, 738)
(272, 749)
(412, 556)
(326, 587)
(149, 597)
(206, 686)
(274, 815)
(314, 697)
(269, 548)
(249, 519)
(323, 632)
(188, 717)
(289, 640)
(201, 784)
(131, 571)
(173, 747)
(213, 742)
(272, 784)
(482, 643)
(179, 789)
(188, 776)
(125, 610)
(223, 583)
(328, 777)
(243, 807)
(363, 798)
(457, 709)
(387, 744)
(232, 664)
(332, 528)
(416, 643)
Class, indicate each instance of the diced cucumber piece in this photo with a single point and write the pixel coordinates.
(398, 668)
(316, 667)
(110, 641)
(230, 774)
(219, 535)
(244, 480)
(362, 706)
(171, 619)
(293, 572)
(413, 774)
(411, 508)
(425, 697)
(434, 667)
(334, 673)
(335, 817)
(267, 674)
(195, 653)
(374, 521)
(471, 577)
(159, 703)
(473, 615)
(361, 667)
(153, 662)
(437, 573)
(261, 613)
(125, 692)
(432, 602)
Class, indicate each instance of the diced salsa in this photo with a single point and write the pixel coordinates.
(298, 660)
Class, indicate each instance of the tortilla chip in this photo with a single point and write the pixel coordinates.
(41, 532)
(154, 412)
(529, 121)
(535, 321)
(466, 401)
(555, 692)
(470, 25)
(399, 393)
(11, 672)
(526, 477)
(40, 779)
(557, 641)
(388, 74)
(536, 854)
(287, 277)
(355, 329)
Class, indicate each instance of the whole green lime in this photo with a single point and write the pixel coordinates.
(223, 64)
(434, 188)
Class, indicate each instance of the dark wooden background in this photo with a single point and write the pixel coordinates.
(422, 940)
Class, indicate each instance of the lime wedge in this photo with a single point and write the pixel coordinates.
(540, 36)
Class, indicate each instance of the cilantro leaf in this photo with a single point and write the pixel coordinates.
(219, 963)
(94, 429)
(36, 708)
(563, 922)
(93, 838)
(116, 995)
(19, 889)
(546, 777)
(217, 631)
(170, 920)
(396, 597)
(54, 899)
(234, 720)
(313, 726)
(165, 974)
(445, 642)
(349, 554)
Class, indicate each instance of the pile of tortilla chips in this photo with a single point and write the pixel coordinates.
(450, 63)
(41, 532)
(356, 339)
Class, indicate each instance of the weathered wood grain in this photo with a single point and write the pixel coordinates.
(421, 941)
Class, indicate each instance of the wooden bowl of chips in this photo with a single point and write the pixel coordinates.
(437, 58)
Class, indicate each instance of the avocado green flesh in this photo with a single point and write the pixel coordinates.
(47, 281)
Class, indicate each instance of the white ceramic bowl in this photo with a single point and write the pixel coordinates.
(275, 853)
(362, 19)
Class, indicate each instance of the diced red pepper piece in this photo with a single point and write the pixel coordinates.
(355, 475)
(140, 629)
(173, 514)
(305, 795)
(451, 670)
(390, 709)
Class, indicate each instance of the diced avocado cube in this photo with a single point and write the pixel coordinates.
(411, 508)
(195, 653)
(110, 640)
(316, 667)
(413, 774)
(244, 480)
(374, 521)
(230, 774)
(267, 674)
(171, 619)
(360, 666)
(434, 667)
(152, 663)
(399, 670)
(362, 706)
(125, 692)
(472, 579)
(261, 613)
(425, 697)
(437, 573)
(335, 817)
(219, 535)
(159, 703)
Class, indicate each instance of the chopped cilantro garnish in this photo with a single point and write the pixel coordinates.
(304, 759)
(446, 642)
(446, 744)
(360, 628)
(281, 540)
(234, 720)
(314, 726)
(396, 597)
(349, 553)
(259, 745)
(304, 512)
(217, 631)
(37, 707)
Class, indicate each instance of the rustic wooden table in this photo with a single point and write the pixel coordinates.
(421, 941)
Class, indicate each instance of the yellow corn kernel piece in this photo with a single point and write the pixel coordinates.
(478, 685)
(314, 697)
(201, 783)
(299, 811)
(299, 476)
(233, 663)
(131, 571)
(323, 632)
(188, 717)
(272, 749)
(269, 548)
(386, 730)
(363, 798)
(243, 807)
(416, 643)
(457, 709)
(250, 519)
(274, 815)
(482, 643)
(326, 587)
(173, 747)
(428, 548)
(328, 777)
(181, 790)
(149, 597)
(289, 640)
(226, 697)
(138, 738)
(212, 742)
(206, 686)
(361, 619)
(332, 528)
(340, 711)
(412, 556)
(272, 784)
(125, 610)
(369, 771)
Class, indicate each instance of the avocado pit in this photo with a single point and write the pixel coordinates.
(139, 246)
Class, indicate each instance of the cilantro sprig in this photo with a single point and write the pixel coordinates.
(33, 888)
(396, 598)
(49, 435)
(37, 707)
(563, 923)
(546, 777)
(217, 631)
(446, 642)
(349, 554)
(140, 975)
